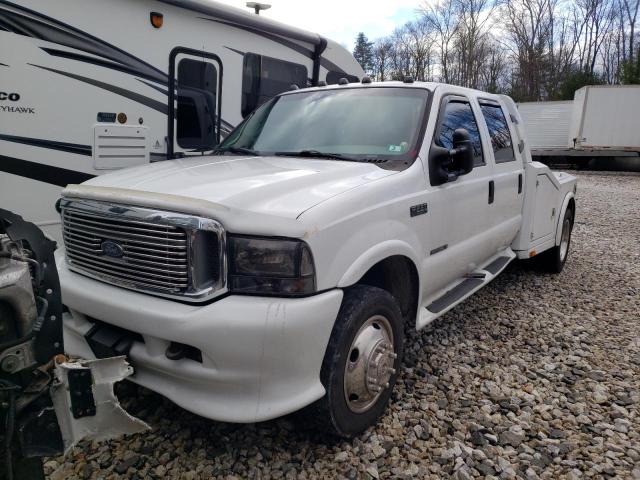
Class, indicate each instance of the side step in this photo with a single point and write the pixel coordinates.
(456, 293)
(472, 282)
(498, 265)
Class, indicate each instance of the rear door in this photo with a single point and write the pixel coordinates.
(461, 209)
(195, 86)
(508, 173)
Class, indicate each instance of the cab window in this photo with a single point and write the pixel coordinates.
(499, 133)
(458, 114)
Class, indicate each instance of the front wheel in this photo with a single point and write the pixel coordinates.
(361, 363)
(553, 260)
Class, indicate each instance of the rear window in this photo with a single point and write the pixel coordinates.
(499, 133)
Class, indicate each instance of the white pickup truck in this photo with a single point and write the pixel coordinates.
(280, 271)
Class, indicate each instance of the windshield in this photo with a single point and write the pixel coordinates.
(346, 124)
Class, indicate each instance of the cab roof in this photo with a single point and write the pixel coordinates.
(431, 86)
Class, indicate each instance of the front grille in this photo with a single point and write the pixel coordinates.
(144, 249)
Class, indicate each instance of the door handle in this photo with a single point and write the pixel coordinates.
(492, 188)
(519, 183)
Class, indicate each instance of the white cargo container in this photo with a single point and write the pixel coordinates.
(547, 123)
(601, 121)
(605, 117)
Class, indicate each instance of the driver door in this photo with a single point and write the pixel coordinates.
(461, 209)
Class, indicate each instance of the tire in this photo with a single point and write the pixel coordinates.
(553, 260)
(367, 314)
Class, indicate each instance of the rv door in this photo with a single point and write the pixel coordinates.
(195, 84)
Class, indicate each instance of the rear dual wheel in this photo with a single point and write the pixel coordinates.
(553, 260)
(361, 363)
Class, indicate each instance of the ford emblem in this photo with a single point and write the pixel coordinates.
(112, 249)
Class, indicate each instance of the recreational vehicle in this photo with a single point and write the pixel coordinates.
(89, 87)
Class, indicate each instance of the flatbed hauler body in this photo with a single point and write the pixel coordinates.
(278, 273)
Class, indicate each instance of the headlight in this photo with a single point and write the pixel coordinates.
(270, 266)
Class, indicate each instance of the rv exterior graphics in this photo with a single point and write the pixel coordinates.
(86, 88)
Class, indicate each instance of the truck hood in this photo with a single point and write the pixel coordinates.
(281, 186)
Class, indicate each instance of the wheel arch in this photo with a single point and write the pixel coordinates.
(568, 202)
(392, 269)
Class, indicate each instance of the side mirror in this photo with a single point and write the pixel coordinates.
(447, 165)
(462, 150)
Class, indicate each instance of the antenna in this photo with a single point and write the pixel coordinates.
(258, 6)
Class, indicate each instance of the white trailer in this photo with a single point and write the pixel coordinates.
(89, 87)
(605, 118)
(547, 123)
(601, 121)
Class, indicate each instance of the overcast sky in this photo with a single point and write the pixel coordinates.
(340, 20)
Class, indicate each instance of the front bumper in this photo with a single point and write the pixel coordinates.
(261, 357)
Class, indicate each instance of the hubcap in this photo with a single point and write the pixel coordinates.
(369, 365)
(564, 239)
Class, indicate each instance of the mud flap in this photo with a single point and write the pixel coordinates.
(85, 403)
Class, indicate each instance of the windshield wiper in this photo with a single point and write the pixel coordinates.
(241, 150)
(315, 154)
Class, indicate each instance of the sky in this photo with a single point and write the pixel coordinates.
(340, 20)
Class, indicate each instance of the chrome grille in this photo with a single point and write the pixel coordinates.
(155, 251)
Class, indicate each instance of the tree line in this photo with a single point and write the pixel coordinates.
(529, 49)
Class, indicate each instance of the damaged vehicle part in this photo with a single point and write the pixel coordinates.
(95, 412)
(30, 339)
(30, 336)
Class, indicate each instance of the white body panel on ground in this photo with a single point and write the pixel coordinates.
(63, 63)
(261, 355)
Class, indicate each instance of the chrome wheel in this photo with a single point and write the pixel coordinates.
(369, 365)
(564, 239)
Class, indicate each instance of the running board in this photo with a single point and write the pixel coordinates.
(471, 283)
(457, 293)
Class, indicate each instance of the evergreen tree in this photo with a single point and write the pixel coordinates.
(363, 52)
(630, 71)
(575, 80)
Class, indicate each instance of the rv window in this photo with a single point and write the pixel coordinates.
(499, 132)
(264, 77)
(334, 77)
(197, 105)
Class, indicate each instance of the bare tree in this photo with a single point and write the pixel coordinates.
(529, 26)
(631, 8)
(420, 46)
(532, 49)
(382, 59)
(475, 16)
(443, 17)
(493, 75)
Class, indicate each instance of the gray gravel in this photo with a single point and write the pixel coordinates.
(536, 376)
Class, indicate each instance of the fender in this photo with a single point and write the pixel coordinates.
(375, 254)
(565, 204)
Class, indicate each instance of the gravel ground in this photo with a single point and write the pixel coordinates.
(535, 376)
